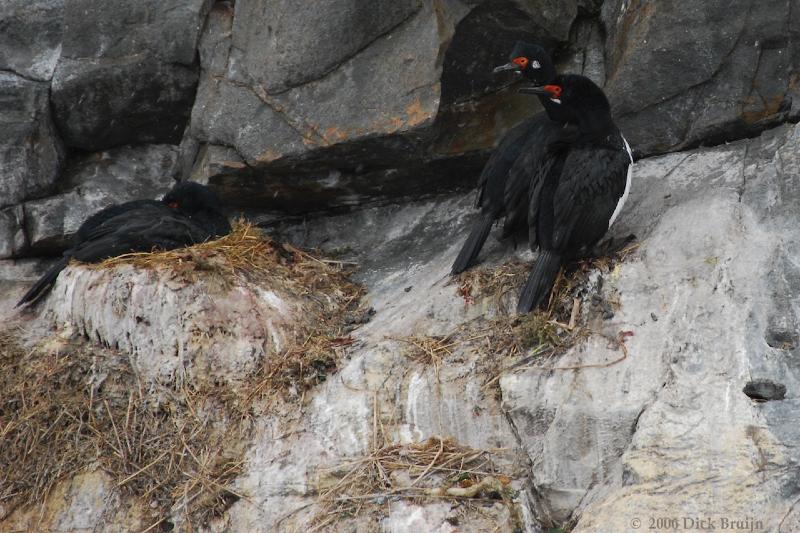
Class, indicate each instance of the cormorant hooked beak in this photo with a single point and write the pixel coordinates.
(534, 89)
(507, 66)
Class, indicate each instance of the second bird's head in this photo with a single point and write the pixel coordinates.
(190, 198)
(530, 61)
(571, 91)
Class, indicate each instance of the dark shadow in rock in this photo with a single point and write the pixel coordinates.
(487, 34)
(764, 390)
(781, 339)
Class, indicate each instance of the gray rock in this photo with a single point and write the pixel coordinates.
(556, 16)
(16, 277)
(30, 150)
(666, 427)
(610, 444)
(116, 29)
(392, 109)
(278, 57)
(132, 309)
(96, 181)
(102, 104)
(685, 73)
(30, 40)
(584, 52)
(127, 72)
(13, 241)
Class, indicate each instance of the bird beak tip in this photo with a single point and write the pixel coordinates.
(507, 66)
(532, 89)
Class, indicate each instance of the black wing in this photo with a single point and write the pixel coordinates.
(492, 183)
(140, 230)
(111, 211)
(528, 172)
(590, 186)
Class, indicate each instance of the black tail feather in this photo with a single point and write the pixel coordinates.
(472, 247)
(44, 283)
(540, 281)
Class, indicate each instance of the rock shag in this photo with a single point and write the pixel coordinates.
(578, 188)
(503, 183)
(190, 213)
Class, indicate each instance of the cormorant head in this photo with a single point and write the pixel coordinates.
(530, 61)
(571, 91)
(190, 198)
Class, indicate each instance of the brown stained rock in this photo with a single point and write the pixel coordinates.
(365, 114)
(685, 73)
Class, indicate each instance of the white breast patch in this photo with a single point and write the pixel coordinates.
(627, 184)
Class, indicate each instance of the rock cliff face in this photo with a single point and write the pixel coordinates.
(390, 108)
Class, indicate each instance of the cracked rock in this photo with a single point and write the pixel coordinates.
(683, 73)
(127, 72)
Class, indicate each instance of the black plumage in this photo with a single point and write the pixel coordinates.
(190, 213)
(577, 189)
(502, 192)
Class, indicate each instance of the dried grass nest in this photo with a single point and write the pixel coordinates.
(333, 300)
(435, 469)
(67, 407)
(542, 333)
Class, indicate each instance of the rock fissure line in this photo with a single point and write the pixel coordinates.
(338, 64)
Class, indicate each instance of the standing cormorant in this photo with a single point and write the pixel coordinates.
(502, 189)
(578, 189)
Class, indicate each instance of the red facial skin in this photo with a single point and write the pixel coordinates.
(521, 61)
(554, 90)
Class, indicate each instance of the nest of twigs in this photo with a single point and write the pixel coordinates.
(431, 470)
(542, 333)
(496, 283)
(69, 407)
(64, 410)
(246, 255)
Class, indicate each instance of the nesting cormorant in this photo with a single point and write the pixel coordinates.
(502, 188)
(578, 188)
(190, 213)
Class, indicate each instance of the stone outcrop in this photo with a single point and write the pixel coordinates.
(30, 43)
(127, 72)
(390, 103)
(31, 154)
(600, 440)
(372, 102)
(686, 73)
(88, 184)
(332, 118)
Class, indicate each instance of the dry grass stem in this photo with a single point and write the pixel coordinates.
(436, 468)
(71, 408)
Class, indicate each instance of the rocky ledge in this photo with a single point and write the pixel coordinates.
(690, 410)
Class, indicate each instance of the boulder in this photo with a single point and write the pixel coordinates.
(708, 298)
(702, 301)
(95, 181)
(369, 102)
(675, 424)
(127, 71)
(30, 150)
(30, 43)
(215, 335)
(13, 241)
(686, 73)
